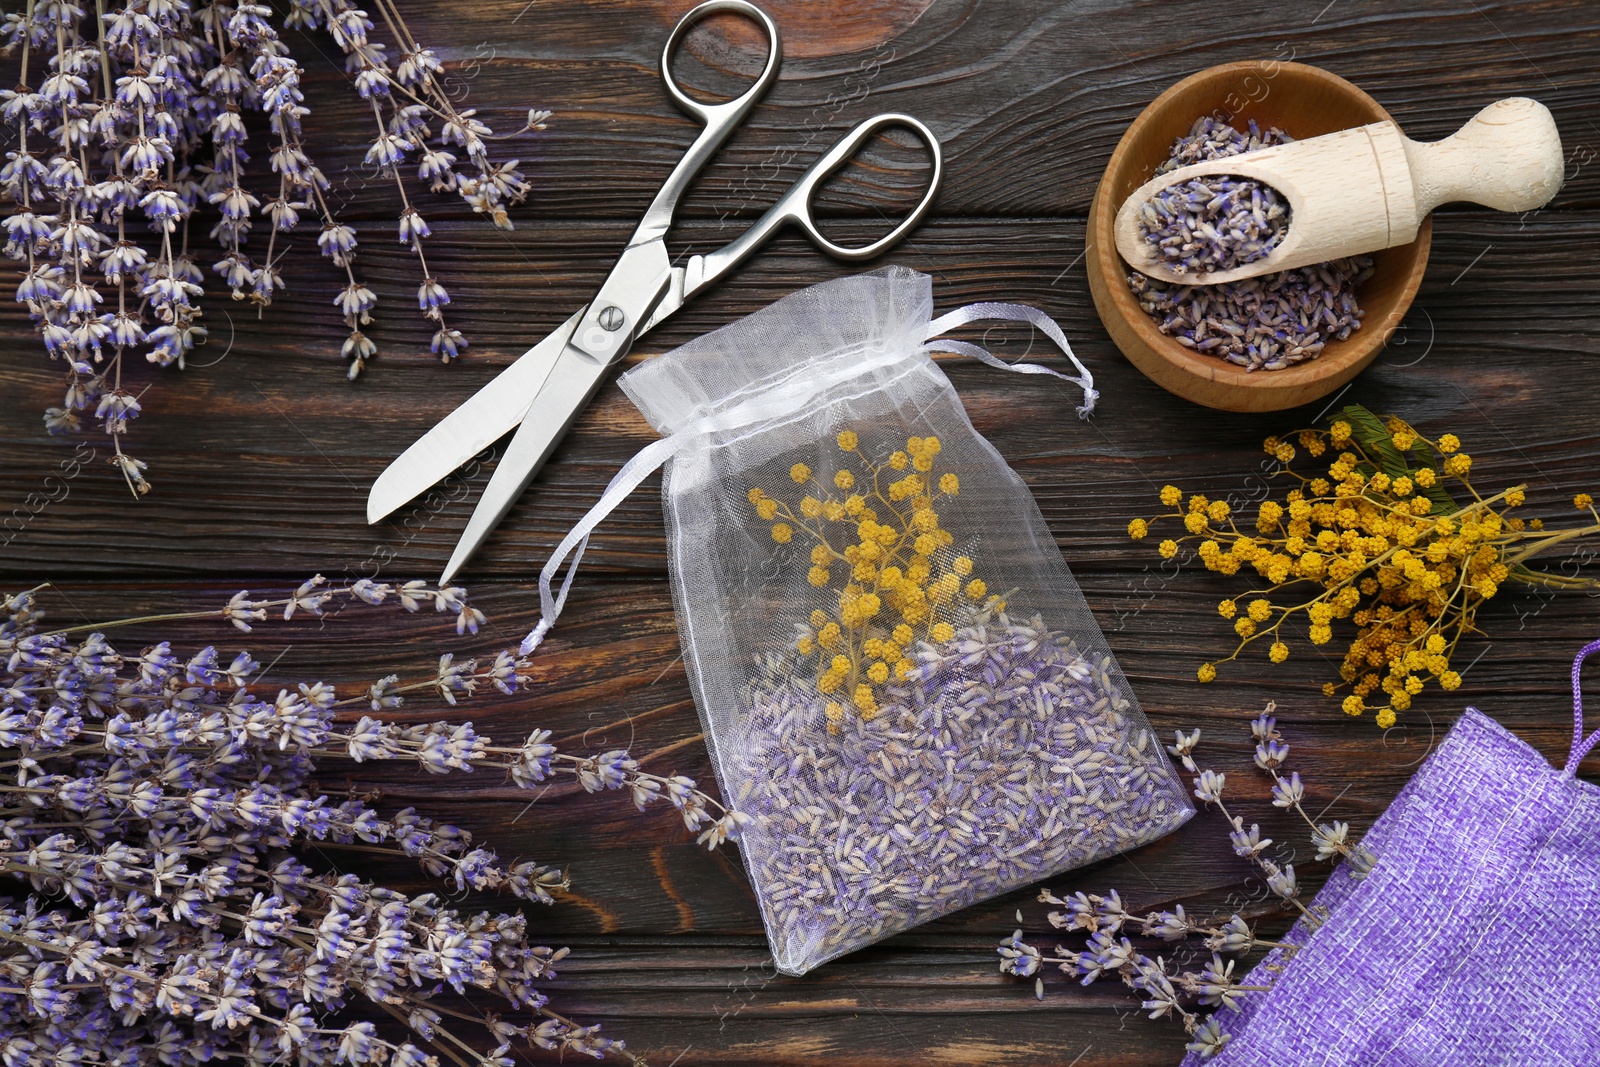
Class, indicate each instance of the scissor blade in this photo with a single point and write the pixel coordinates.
(573, 380)
(484, 418)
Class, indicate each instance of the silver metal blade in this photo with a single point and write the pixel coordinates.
(484, 418)
(572, 381)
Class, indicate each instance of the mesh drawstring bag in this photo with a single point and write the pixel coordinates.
(907, 702)
(1473, 941)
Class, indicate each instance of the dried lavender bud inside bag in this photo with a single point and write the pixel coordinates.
(913, 747)
(1005, 754)
(1216, 223)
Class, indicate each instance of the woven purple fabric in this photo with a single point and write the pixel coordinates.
(1474, 941)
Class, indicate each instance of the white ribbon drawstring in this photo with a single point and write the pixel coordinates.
(650, 458)
(1013, 313)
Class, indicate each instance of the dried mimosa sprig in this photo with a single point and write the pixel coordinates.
(1378, 539)
(901, 581)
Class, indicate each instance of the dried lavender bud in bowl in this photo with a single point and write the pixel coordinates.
(1265, 323)
(1214, 223)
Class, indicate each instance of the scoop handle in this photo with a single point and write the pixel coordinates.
(1508, 157)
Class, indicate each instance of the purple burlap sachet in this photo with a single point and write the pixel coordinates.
(1475, 939)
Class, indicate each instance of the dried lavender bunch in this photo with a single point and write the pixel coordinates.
(1263, 323)
(154, 807)
(140, 119)
(1164, 985)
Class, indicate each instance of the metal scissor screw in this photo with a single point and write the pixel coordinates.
(611, 318)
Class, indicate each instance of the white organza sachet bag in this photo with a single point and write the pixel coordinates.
(907, 701)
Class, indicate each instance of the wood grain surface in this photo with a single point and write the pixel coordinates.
(262, 457)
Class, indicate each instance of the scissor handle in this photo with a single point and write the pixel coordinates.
(729, 112)
(795, 206)
(720, 119)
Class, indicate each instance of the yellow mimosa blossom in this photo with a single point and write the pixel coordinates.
(1391, 537)
(899, 583)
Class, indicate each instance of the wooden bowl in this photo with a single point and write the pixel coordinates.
(1306, 102)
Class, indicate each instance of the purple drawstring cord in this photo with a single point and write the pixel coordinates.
(1580, 744)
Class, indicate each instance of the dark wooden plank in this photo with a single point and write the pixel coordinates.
(1029, 99)
(281, 449)
(667, 942)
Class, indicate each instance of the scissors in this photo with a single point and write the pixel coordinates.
(541, 394)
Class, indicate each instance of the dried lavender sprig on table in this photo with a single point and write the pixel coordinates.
(1162, 984)
(1265, 323)
(153, 809)
(405, 97)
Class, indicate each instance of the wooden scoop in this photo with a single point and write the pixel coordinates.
(1369, 188)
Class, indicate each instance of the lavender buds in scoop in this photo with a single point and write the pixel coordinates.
(1224, 221)
(1214, 224)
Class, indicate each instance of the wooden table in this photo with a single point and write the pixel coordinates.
(262, 457)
